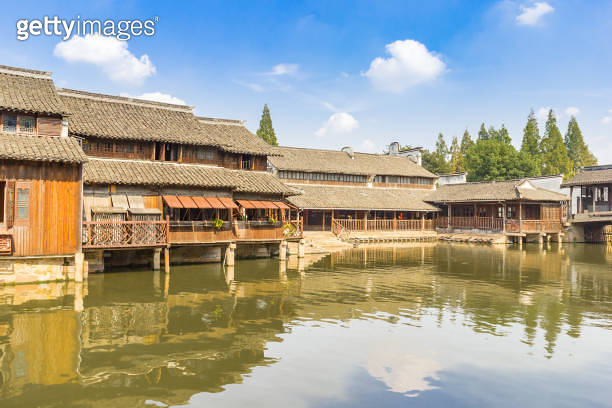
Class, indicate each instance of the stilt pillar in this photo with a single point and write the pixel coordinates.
(282, 250)
(79, 261)
(156, 258)
(166, 259)
(301, 248)
(230, 254)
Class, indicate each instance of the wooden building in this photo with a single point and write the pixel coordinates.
(513, 208)
(593, 210)
(40, 181)
(159, 177)
(343, 189)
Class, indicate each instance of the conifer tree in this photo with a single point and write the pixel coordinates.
(456, 158)
(482, 133)
(266, 131)
(531, 136)
(555, 159)
(577, 149)
(466, 143)
(436, 161)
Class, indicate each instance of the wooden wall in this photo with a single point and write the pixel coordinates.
(53, 224)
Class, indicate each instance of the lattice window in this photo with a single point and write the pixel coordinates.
(27, 124)
(9, 122)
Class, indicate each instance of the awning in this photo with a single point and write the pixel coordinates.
(228, 202)
(282, 205)
(246, 204)
(214, 202)
(172, 201)
(135, 201)
(201, 202)
(187, 202)
(119, 200)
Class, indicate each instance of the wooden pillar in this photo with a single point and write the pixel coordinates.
(333, 219)
(156, 258)
(282, 251)
(422, 221)
(394, 220)
(166, 259)
(301, 248)
(571, 206)
(365, 220)
(449, 215)
(593, 190)
(520, 217)
(504, 218)
(475, 220)
(230, 254)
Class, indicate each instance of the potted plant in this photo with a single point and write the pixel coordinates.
(271, 220)
(218, 223)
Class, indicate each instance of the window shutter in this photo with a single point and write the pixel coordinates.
(10, 204)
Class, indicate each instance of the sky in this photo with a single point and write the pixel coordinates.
(338, 73)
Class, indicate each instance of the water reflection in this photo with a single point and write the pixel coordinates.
(349, 328)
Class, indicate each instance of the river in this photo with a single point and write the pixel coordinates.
(427, 325)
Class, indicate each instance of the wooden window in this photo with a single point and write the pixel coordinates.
(108, 147)
(205, 154)
(27, 124)
(120, 147)
(9, 122)
(22, 203)
(129, 148)
(10, 203)
(86, 146)
(140, 148)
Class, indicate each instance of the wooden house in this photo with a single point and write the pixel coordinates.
(40, 181)
(593, 204)
(356, 191)
(515, 208)
(173, 179)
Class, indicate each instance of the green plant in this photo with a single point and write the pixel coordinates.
(271, 220)
(218, 223)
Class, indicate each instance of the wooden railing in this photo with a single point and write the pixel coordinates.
(527, 226)
(410, 225)
(125, 234)
(192, 232)
(340, 225)
(351, 224)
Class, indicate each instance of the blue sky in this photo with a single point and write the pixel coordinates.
(338, 73)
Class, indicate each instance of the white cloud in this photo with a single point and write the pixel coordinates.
(284, 69)
(108, 53)
(337, 123)
(157, 97)
(367, 146)
(542, 113)
(253, 86)
(531, 15)
(572, 111)
(606, 119)
(410, 64)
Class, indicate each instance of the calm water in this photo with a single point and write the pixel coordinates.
(433, 325)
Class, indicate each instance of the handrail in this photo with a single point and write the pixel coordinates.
(125, 234)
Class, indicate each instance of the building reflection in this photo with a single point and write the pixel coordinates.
(121, 338)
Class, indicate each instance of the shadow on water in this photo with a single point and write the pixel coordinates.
(402, 325)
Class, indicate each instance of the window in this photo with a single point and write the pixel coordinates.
(108, 147)
(27, 124)
(129, 148)
(140, 148)
(511, 212)
(22, 203)
(86, 146)
(204, 154)
(247, 162)
(9, 122)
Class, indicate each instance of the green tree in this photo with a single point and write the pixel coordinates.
(555, 159)
(577, 149)
(266, 131)
(531, 136)
(436, 161)
(501, 135)
(494, 159)
(456, 158)
(466, 143)
(482, 133)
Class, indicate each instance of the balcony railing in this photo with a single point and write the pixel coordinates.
(381, 225)
(193, 232)
(125, 234)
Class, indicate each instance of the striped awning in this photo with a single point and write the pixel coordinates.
(214, 202)
(187, 202)
(201, 202)
(172, 201)
(264, 205)
(228, 203)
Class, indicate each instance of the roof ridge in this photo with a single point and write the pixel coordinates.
(123, 99)
(109, 159)
(32, 73)
(220, 121)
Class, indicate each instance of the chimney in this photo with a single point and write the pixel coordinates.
(349, 150)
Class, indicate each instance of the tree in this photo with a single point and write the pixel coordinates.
(555, 159)
(577, 150)
(436, 161)
(500, 135)
(494, 159)
(482, 133)
(456, 158)
(266, 131)
(531, 136)
(466, 143)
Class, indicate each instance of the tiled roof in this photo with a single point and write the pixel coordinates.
(135, 172)
(28, 90)
(233, 137)
(590, 177)
(40, 148)
(259, 182)
(337, 161)
(494, 191)
(116, 117)
(360, 198)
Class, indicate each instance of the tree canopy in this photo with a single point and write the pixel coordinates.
(577, 150)
(266, 131)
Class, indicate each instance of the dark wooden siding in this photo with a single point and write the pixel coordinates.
(48, 126)
(52, 226)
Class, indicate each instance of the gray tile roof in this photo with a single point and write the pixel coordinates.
(337, 161)
(494, 191)
(116, 117)
(233, 137)
(28, 90)
(360, 198)
(590, 177)
(135, 172)
(41, 148)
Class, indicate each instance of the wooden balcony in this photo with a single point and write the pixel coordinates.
(198, 232)
(125, 234)
(495, 224)
(266, 231)
(381, 225)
